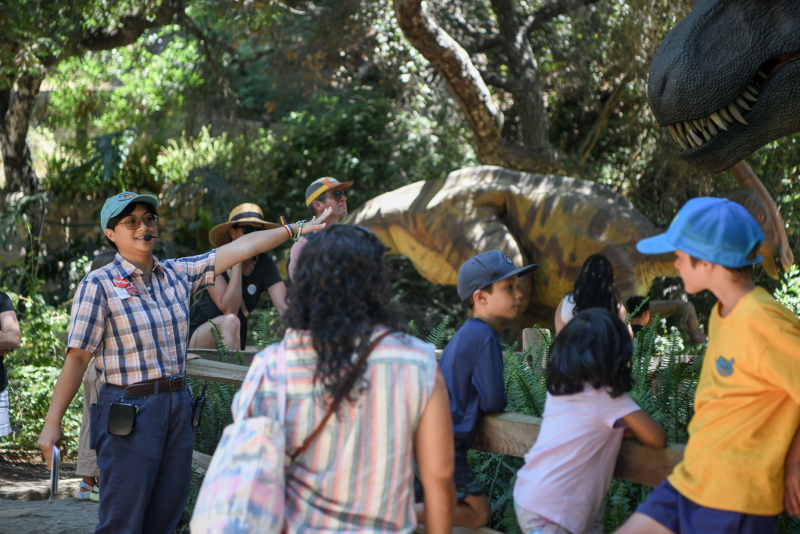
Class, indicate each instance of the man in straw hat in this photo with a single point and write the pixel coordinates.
(229, 302)
(323, 193)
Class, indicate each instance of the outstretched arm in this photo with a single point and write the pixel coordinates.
(645, 429)
(254, 244)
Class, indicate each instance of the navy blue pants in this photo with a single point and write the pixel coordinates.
(144, 476)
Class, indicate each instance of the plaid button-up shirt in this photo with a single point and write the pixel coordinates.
(141, 337)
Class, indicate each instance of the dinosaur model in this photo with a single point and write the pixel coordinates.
(554, 221)
(726, 79)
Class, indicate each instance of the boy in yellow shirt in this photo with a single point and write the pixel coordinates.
(747, 404)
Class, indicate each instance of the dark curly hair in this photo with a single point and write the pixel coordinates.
(340, 293)
(594, 348)
(595, 287)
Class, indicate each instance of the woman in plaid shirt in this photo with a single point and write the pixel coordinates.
(134, 315)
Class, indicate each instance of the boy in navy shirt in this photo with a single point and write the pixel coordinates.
(472, 366)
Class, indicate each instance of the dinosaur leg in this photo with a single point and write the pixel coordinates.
(665, 308)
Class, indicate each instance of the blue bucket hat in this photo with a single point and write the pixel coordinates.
(486, 268)
(716, 230)
(117, 203)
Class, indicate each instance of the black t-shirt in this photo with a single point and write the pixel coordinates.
(5, 305)
(265, 275)
(636, 328)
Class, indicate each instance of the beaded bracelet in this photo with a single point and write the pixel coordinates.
(299, 231)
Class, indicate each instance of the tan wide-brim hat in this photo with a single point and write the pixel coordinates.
(240, 214)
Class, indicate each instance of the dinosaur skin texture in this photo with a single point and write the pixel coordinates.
(705, 65)
(551, 220)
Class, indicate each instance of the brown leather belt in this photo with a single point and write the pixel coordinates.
(164, 385)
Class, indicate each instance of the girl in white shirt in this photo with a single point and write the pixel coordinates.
(594, 288)
(567, 472)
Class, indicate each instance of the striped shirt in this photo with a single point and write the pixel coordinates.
(358, 475)
(142, 336)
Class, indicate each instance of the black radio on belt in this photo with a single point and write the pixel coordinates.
(198, 404)
(122, 418)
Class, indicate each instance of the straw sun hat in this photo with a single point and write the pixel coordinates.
(240, 214)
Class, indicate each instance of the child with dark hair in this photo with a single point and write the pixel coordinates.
(594, 288)
(641, 317)
(567, 472)
(472, 366)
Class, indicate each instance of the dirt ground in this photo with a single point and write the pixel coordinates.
(25, 471)
(71, 516)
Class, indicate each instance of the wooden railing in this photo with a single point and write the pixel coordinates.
(507, 433)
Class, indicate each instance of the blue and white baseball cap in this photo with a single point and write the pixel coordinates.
(485, 269)
(716, 230)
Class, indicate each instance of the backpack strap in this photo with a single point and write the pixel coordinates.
(335, 404)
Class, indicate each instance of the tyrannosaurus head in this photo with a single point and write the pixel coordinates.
(726, 79)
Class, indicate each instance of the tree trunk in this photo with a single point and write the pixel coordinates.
(527, 89)
(16, 107)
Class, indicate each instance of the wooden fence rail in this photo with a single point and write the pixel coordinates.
(506, 433)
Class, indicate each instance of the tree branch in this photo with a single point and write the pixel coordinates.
(602, 120)
(503, 82)
(131, 27)
(195, 30)
(472, 95)
(548, 12)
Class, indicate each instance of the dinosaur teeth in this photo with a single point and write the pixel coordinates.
(719, 121)
(736, 113)
(742, 104)
(688, 133)
(747, 96)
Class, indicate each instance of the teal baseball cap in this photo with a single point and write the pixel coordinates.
(716, 230)
(117, 203)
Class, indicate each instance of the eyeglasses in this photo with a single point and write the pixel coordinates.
(247, 229)
(133, 222)
(338, 194)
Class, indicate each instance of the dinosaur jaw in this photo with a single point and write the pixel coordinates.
(766, 109)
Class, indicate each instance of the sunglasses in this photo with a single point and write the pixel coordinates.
(338, 194)
(133, 222)
(247, 229)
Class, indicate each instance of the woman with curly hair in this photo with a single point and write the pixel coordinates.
(594, 288)
(344, 347)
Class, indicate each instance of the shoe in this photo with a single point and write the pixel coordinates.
(95, 496)
(85, 491)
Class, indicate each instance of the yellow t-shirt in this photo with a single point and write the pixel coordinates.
(747, 409)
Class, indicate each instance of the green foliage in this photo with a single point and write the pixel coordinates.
(788, 293)
(30, 391)
(437, 334)
(32, 372)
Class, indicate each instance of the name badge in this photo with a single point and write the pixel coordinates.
(122, 293)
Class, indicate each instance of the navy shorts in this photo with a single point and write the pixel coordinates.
(465, 480)
(682, 516)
